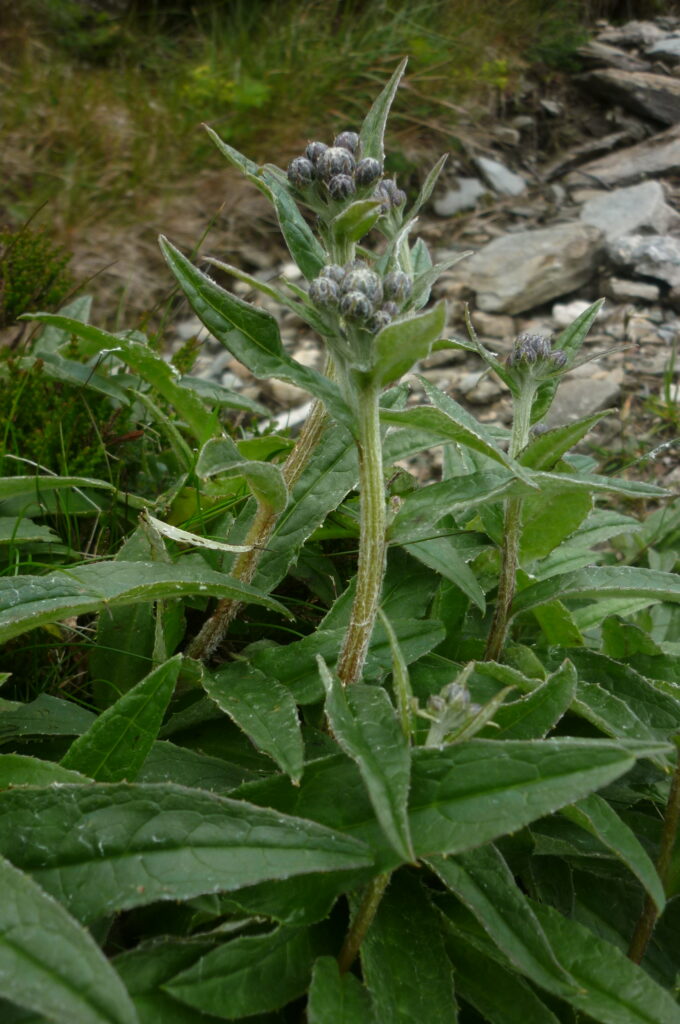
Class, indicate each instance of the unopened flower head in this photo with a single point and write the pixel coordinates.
(347, 140)
(341, 186)
(367, 172)
(314, 151)
(301, 173)
(398, 286)
(335, 160)
(361, 279)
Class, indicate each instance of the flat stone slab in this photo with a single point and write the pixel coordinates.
(656, 156)
(527, 268)
(629, 210)
(655, 256)
(653, 96)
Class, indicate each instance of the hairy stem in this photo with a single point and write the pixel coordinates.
(648, 917)
(214, 630)
(371, 562)
(512, 532)
(362, 921)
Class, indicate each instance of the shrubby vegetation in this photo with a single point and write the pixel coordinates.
(316, 741)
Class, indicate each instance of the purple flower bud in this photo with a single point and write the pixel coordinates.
(324, 292)
(528, 349)
(314, 151)
(341, 186)
(398, 286)
(347, 140)
(355, 306)
(301, 172)
(379, 320)
(361, 279)
(559, 358)
(335, 160)
(391, 308)
(333, 271)
(368, 171)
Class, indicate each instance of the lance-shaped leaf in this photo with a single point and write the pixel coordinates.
(483, 882)
(336, 998)
(365, 725)
(105, 847)
(546, 450)
(498, 994)
(44, 716)
(263, 709)
(398, 346)
(599, 582)
(569, 342)
(421, 510)
(31, 489)
(248, 975)
(50, 964)
(356, 220)
(590, 973)
(118, 742)
(250, 334)
(372, 134)
(200, 419)
(186, 537)
(440, 554)
(30, 601)
(538, 712)
(547, 519)
(298, 236)
(596, 816)
(403, 959)
(265, 480)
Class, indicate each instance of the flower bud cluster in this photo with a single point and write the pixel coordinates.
(529, 349)
(337, 172)
(360, 295)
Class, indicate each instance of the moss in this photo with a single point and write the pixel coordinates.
(33, 273)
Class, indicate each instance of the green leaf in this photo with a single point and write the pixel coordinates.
(557, 953)
(557, 625)
(366, 727)
(596, 816)
(403, 959)
(16, 530)
(538, 712)
(298, 236)
(145, 968)
(356, 220)
(336, 998)
(168, 762)
(598, 582)
(201, 421)
(250, 334)
(221, 456)
(440, 554)
(462, 795)
(483, 882)
(499, 995)
(158, 842)
(118, 742)
(569, 341)
(546, 450)
(50, 964)
(398, 346)
(251, 974)
(20, 770)
(263, 709)
(609, 987)
(547, 519)
(372, 134)
(30, 601)
(44, 716)
(422, 509)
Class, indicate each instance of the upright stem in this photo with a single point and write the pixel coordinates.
(648, 917)
(206, 642)
(371, 562)
(362, 921)
(512, 532)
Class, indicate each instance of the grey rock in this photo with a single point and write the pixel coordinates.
(596, 54)
(491, 325)
(633, 33)
(655, 156)
(655, 256)
(628, 210)
(499, 178)
(620, 290)
(464, 197)
(518, 271)
(653, 96)
(587, 151)
(580, 396)
(506, 135)
(564, 313)
(666, 49)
